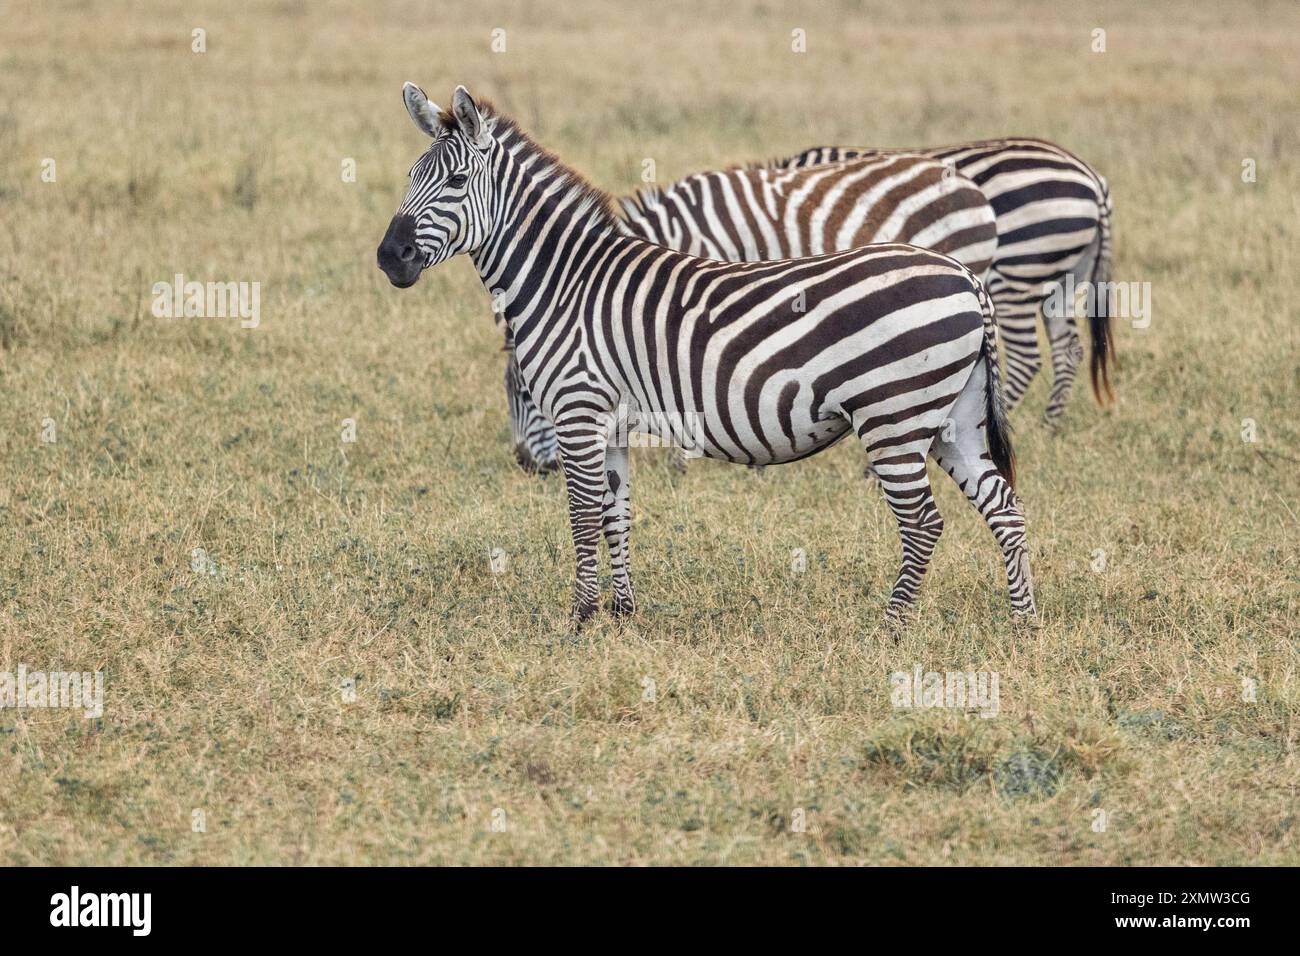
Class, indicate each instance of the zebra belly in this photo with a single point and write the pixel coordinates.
(820, 436)
(640, 423)
(796, 413)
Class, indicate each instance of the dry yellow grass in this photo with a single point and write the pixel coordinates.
(369, 561)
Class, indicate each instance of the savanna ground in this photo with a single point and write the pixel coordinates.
(743, 696)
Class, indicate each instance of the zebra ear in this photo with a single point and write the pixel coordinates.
(422, 111)
(470, 120)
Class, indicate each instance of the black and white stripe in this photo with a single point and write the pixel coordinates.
(754, 214)
(893, 344)
(1053, 220)
(536, 448)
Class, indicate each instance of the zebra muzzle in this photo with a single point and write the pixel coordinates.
(398, 255)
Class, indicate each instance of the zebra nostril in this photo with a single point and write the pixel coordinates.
(407, 253)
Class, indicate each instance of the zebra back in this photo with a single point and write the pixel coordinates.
(751, 214)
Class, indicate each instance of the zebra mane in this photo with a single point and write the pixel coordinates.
(780, 162)
(642, 201)
(507, 132)
(791, 160)
(649, 198)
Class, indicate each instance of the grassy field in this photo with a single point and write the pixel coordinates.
(339, 676)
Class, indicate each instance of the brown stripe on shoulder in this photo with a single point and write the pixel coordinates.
(857, 192)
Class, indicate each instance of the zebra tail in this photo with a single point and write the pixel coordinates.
(1103, 341)
(998, 429)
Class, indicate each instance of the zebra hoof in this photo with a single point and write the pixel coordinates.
(622, 608)
(1026, 620)
(897, 617)
(582, 612)
(532, 466)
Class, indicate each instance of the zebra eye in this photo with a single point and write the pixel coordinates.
(457, 181)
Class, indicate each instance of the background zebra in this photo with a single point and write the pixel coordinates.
(1053, 213)
(894, 341)
(753, 214)
(536, 448)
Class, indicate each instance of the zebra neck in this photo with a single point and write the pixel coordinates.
(548, 227)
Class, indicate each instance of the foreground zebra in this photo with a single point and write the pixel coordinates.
(755, 214)
(1053, 214)
(894, 341)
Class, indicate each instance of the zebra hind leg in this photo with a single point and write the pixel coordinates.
(1067, 348)
(906, 486)
(616, 522)
(1067, 353)
(963, 452)
(1018, 324)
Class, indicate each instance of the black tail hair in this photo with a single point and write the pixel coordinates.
(997, 428)
(1103, 340)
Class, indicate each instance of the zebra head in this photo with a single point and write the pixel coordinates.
(446, 210)
(536, 448)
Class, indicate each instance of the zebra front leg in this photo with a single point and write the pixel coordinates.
(906, 486)
(616, 521)
(583, 450)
